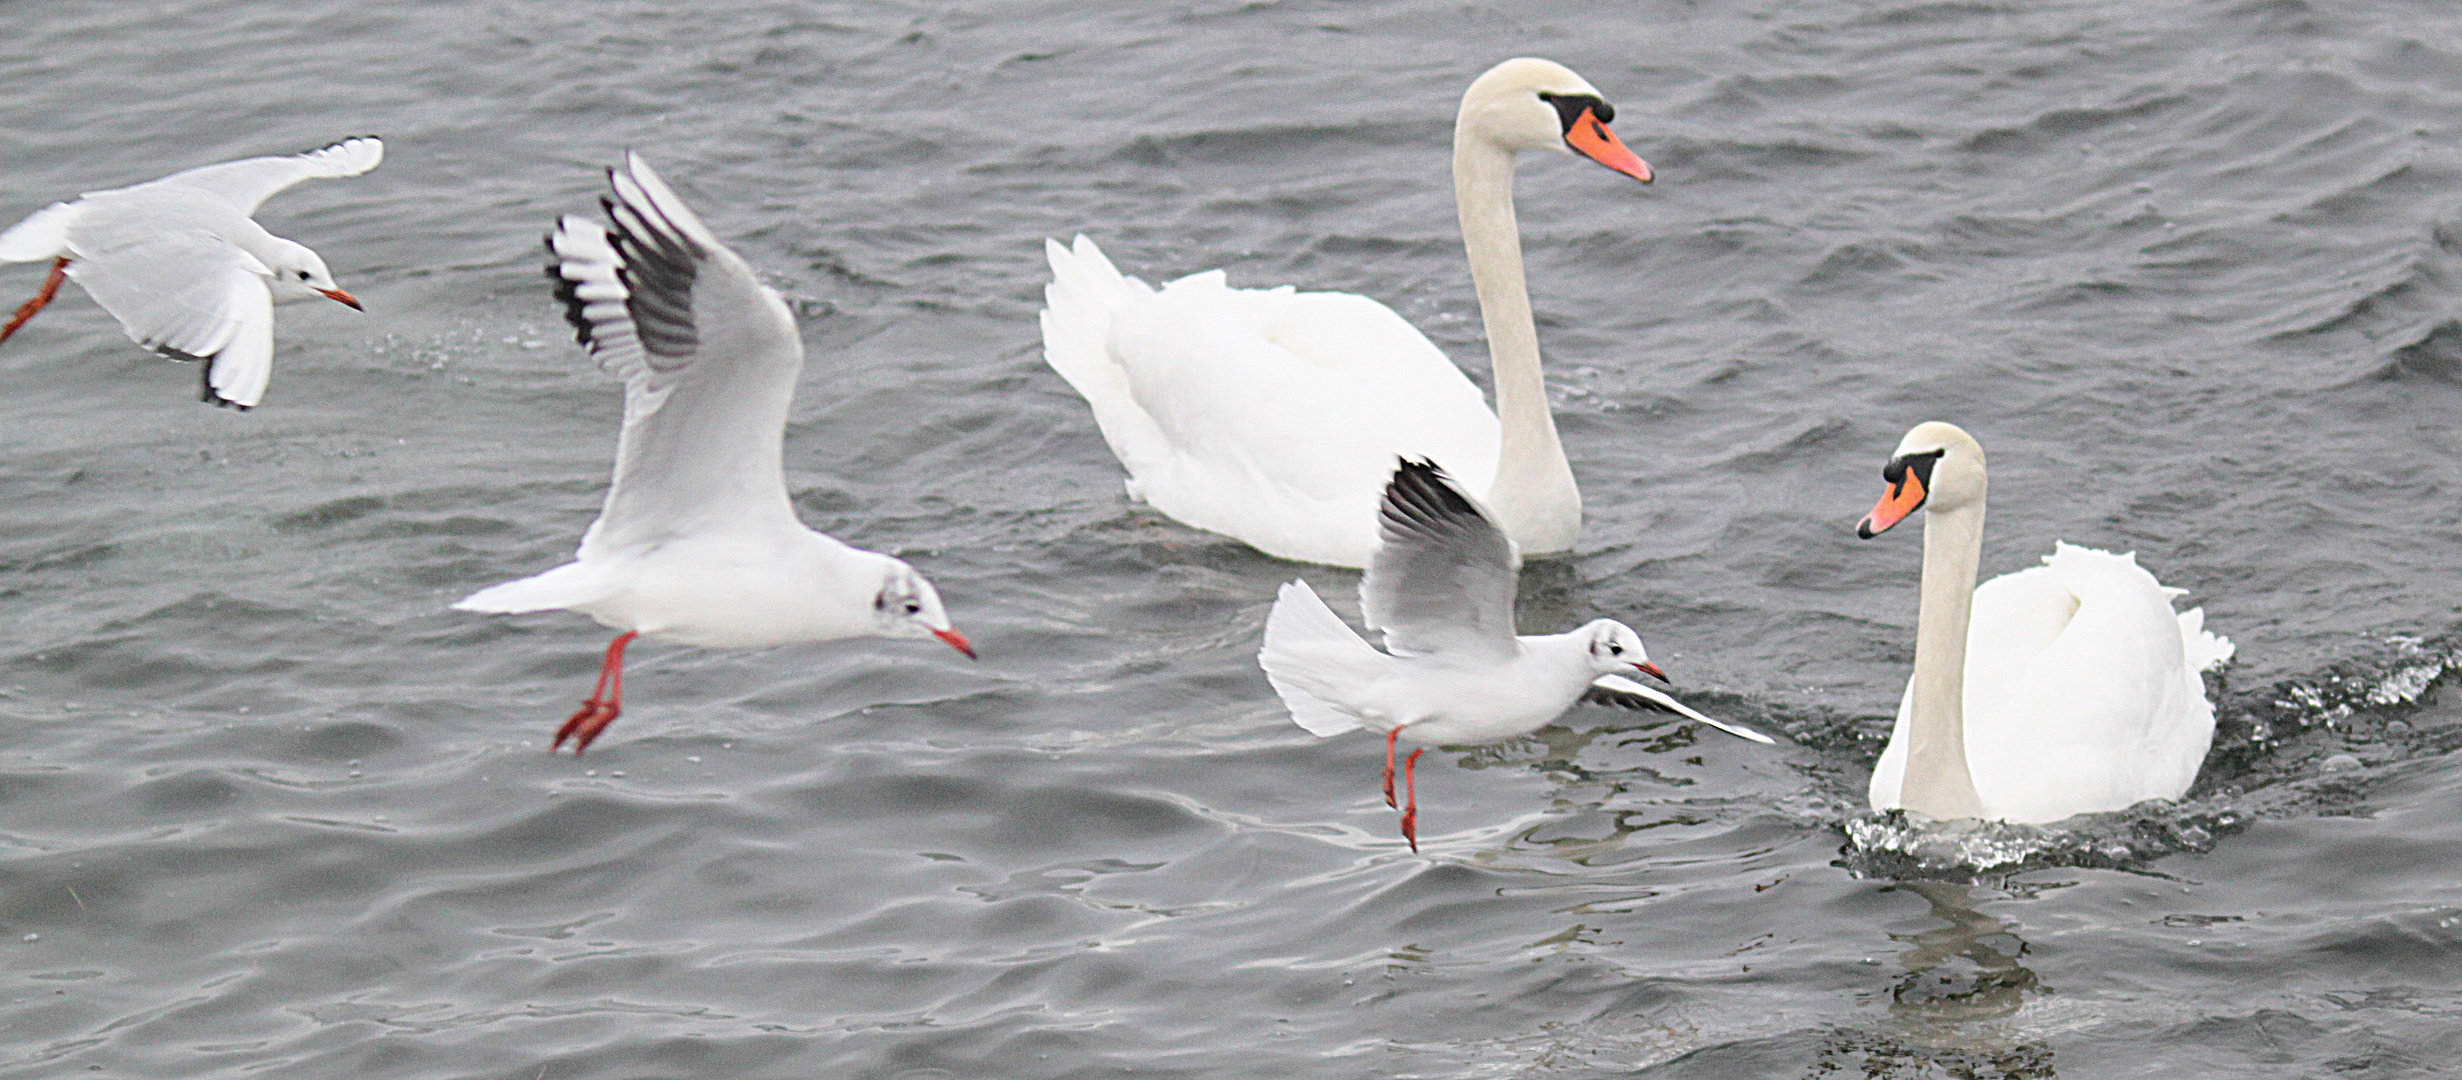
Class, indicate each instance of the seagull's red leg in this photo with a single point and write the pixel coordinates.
(1410, 782)
(1390, 736)
(606, 700)
(51, 288)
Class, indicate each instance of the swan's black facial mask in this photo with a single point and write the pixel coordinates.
(1910, 484)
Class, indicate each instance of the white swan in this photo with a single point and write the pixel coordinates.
(1275, 416)
(2080, 689)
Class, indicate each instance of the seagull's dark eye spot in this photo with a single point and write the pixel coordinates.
(913, 608)
(303, 275)
(1615, 649)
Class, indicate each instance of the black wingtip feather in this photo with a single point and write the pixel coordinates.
(1422, 500)
(1600, 695)
(567, 292)
(657, 266)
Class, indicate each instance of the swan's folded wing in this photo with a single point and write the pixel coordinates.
(1444, 575)
(247, 184)
(1624, 693)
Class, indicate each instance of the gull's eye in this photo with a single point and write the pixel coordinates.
(913, 608)
(1615, 649)
(303, 275)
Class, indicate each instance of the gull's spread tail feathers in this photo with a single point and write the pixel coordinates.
(1311, 657)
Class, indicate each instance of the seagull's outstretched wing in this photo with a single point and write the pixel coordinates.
(1443, 578)
(708, 356)
(1624, 693)
(192, 296)
(247, 184)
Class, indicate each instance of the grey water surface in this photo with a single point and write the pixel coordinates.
(2186, 267)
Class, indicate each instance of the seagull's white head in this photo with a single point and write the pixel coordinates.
(908, 607)
(300, 274)
(1532, 104)
(1616, 650)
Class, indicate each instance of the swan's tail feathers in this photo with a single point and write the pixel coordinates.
(1086, 291)
(42, 235)
(1314, 659)
(2205, 651)
(571, 585)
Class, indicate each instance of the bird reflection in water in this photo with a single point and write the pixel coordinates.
(1934, 986)
(1942, 1007)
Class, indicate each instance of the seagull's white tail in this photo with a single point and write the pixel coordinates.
(571, 585)
(1313, 659)
(1078, 305)
(2204, 650)
(42, 235)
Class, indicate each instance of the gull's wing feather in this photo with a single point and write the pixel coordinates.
(1624, 693)
(247, 184)
(1444, 575)
(191, 295)
(708, 356)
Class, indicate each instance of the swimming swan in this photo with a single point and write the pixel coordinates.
(1274, 416)
(2081, 688)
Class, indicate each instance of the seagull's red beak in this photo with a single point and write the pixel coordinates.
(1653, 671)
(956, 641)
(1593, 140)
(340, 297)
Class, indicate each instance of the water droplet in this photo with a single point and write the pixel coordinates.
(2339, 763)
(34, 937)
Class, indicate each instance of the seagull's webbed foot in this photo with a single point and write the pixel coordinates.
(586, 724)
(606, 700)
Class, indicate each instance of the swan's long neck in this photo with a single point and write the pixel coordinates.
(1533, 498)
(1937, 783)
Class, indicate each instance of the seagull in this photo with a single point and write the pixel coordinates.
(1441, 589)
(697, 543)
(183, 265)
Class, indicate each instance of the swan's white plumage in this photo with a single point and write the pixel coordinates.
(1271, 415)
(2082, 691)
(1274, 416)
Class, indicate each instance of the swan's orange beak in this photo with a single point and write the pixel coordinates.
(1593, 140)
(1653, 671)
(1901, 500)
(956, 641)
(340, 297)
